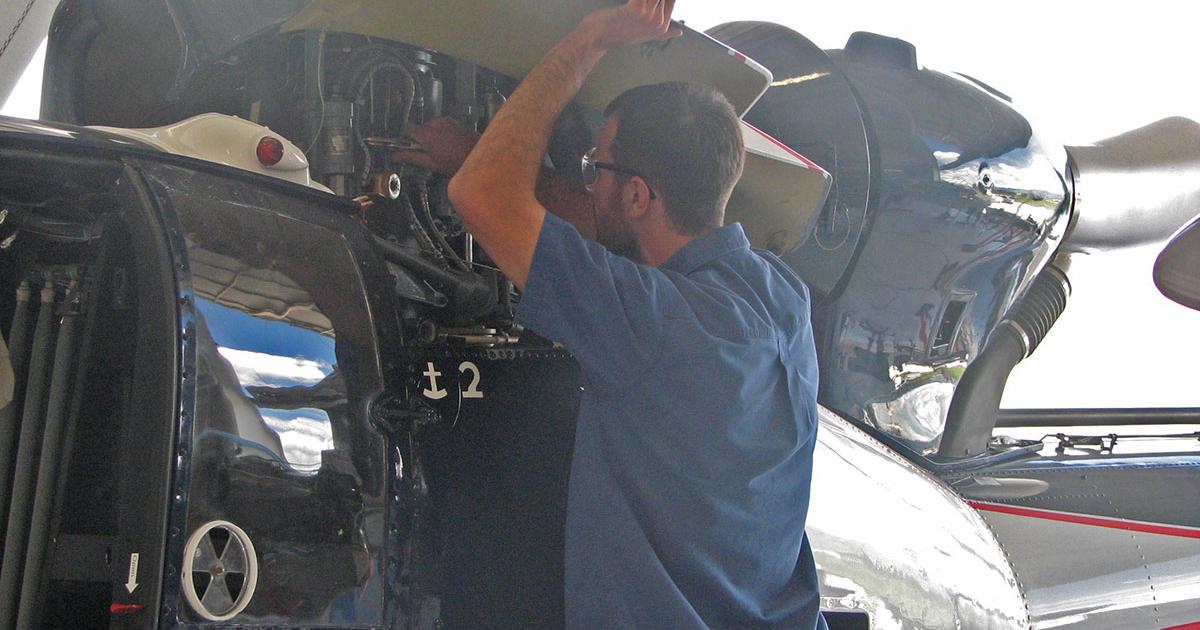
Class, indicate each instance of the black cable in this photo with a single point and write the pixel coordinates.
(423, 195)
(361, 72)
(418, 229)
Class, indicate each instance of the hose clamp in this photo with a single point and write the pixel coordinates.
(1026, 340)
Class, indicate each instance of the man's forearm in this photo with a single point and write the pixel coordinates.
(519, 135)
(494, 190)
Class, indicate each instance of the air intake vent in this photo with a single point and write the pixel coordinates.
(947, 331)
(220, 570)
(863, 47)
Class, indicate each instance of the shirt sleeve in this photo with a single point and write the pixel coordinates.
(606, 309)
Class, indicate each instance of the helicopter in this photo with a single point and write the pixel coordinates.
(260, 375)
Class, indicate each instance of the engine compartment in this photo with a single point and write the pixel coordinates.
(345, 100)
(338, 83)
(348, 105)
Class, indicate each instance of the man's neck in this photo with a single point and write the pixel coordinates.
(659, 249)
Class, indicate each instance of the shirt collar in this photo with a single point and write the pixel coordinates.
(707, 248)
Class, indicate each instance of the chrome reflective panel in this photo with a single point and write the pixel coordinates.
(281, 447)
(969, 207)
(945, 205)
(893, 541)
(273, 351)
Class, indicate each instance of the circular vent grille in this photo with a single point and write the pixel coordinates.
(220, 570)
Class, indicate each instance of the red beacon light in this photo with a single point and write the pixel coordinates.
(269, 151)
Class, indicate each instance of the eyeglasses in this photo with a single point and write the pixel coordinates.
(591, 170)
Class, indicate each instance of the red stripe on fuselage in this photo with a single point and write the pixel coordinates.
(1195, 625)
(1094, 521)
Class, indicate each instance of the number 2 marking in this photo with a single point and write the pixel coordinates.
(473, 390)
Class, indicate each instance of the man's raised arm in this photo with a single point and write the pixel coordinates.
(495, 190)
(444, 144)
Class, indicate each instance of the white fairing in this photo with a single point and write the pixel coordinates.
(894, 542)
(227, 140)
(511, 36)
(1177, 269)
(779, 195)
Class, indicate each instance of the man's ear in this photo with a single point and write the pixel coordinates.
(637, 197)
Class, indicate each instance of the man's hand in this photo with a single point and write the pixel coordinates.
(445, 144)
(494, 191)
(635, 22)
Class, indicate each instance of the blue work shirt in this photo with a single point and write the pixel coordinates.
(693, 453)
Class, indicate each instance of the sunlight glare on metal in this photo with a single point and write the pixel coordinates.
(800, 79)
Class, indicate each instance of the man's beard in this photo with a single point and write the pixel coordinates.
(613, 231)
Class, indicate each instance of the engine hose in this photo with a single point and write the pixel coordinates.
(373, 60)
(451, 255)
(50, 460)
(410, 85)
(410, 91)
(359, 96)
(366, 65)
(469, 294)
(1042, 305)
(975, 407)
(418, 230)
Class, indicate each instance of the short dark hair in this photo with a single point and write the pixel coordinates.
(685, 139)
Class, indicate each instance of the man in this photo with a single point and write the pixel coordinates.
(690, 478)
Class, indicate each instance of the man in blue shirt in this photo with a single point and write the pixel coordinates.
(690, 479)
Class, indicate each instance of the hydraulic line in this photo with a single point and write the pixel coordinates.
(418, 229)
(18, 348)
(363, 70)
(427, 210)
(28, 447)
(52, 446)
(361, 73)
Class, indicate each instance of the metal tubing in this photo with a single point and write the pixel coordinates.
(1096, 417)
(28, 446)
(972, 413)
(51, 458)
(468, 292)
(18, 348)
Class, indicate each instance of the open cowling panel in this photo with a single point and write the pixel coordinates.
(88, 314)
